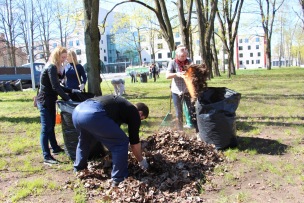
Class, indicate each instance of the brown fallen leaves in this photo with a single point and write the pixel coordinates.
(179, 165)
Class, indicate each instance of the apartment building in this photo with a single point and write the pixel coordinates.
(249, 52)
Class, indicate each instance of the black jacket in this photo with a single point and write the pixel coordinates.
(50, 87)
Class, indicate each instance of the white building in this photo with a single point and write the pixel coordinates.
(249, 52)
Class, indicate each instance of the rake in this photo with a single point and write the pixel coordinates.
(167, 121)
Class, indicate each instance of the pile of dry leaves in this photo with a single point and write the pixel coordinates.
(179, 165)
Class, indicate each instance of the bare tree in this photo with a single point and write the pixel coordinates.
(92, 38)
(45, 15)
(301, 2)
(8, 26)
(206, 12)
(229, 18)
(162, 16)
(66, 18)
(268, 10)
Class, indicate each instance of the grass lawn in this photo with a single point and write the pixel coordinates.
(267, 165)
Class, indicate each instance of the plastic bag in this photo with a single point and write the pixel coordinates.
(70, 134)
(215, 112)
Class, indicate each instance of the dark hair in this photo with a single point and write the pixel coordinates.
(144, 108)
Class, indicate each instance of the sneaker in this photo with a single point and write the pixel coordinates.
(58, 151)
(50, 160)
(187, 126)
(114, 184)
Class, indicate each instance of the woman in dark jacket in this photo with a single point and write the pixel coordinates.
(74, 80)
(46, 102)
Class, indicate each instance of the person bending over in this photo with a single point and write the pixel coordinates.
(100, 118)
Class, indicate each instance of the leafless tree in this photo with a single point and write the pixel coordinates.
(268, 9)
(206, 12)
(45, 16)
(8, 25)
(229, 18)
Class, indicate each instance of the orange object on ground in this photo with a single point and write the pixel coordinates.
(58, 118)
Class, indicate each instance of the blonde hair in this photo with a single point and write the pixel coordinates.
(72, 54)
(55, 56)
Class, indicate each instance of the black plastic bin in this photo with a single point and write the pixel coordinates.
(215, 112)
(143, 77)
(70, 134)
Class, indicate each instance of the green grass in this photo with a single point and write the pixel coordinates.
(270, 110)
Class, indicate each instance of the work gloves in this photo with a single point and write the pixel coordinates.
(81, 87)
(75, 91)
(143, 164)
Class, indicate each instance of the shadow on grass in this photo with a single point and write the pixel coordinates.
(16, 100)
(20, 119)
(261, 145)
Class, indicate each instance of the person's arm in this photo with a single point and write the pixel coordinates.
(136, 150)
(172, 73)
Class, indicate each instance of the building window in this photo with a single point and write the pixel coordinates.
(197, 42)
(257, 61)
(252, 61)
(159, 46)
(40, 47)
(247, 61)
(177, 34)
(177, 43)
(77, 43)
(79, 61)
(101, 41)
(147, 48)
(159, 36)
(240, 48)
(145, 59)
(152, 56)
(54, 45)
(241, 62)
(159, 55)
(169, 55)
(240, 41)
(41, 56)
(70, 43)
(249, 47)
(246, 40)
(241, 55)
(251, 54)
(78, 51)
(104, 58)
(257, 39)
(259, 53)
(104, 51)
(226, 61)
(257, 46)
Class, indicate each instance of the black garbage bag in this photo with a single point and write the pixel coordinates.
(70, 134)
(8, 86)
(17, 85)
(81, 96)
(2, 88)
(215, 112)
(143, 77)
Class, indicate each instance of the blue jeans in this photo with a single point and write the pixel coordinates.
(91, 121)
(178, 106)
(47, 134)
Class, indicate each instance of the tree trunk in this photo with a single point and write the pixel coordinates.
(215, 58)
(91, 9)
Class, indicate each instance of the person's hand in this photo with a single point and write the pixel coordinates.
(180, 74)
(143, 164)
(75, 91)
(81, 87)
